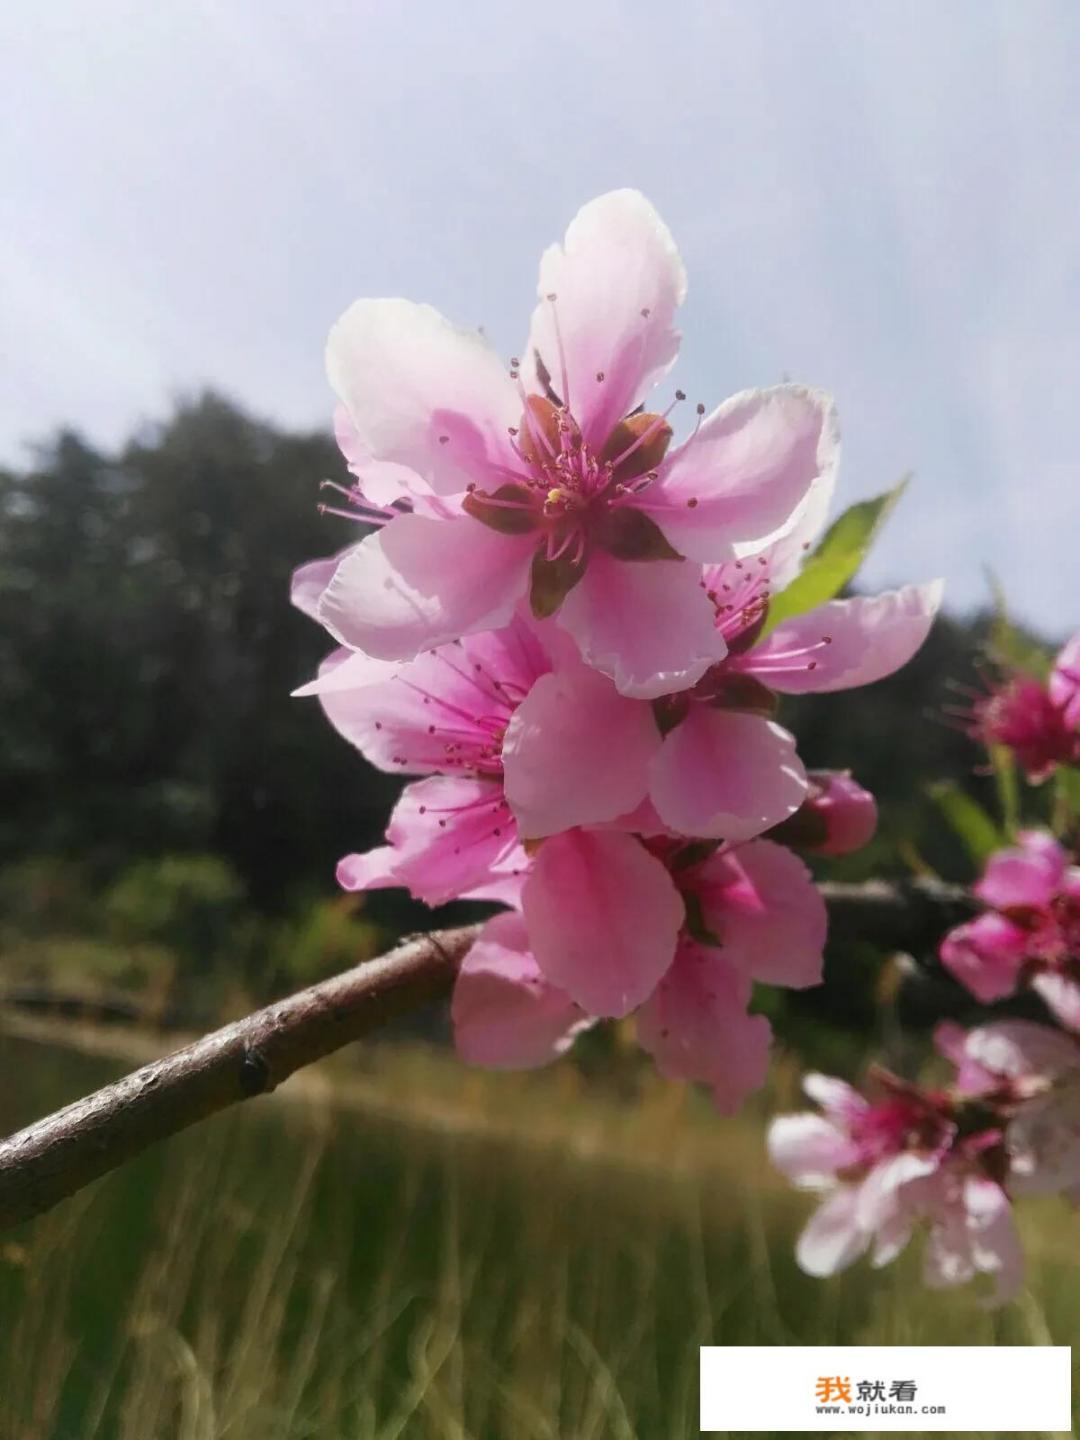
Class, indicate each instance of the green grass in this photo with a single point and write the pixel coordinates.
(405, 1248)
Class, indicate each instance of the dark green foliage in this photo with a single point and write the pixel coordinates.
(147, 652)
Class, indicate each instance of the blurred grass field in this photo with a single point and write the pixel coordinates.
(396, 1246)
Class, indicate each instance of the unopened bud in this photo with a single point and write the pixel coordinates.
(836, 817)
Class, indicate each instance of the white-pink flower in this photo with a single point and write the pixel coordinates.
(1032, 1072)
(884, 1167)
(550, 480)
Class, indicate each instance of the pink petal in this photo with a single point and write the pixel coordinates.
(506, 1016)
(784, 556)
(381, 482)
(879, 1194)
(577, 752)
(728, 775)
(892, 1236)
(348, 673)
(646, 623)
(405, 716)
(1044, 1142)
(868, 638)
(618, 281)
(310, 580)
(420, 582)
(374, 870)
(763, 904)
(696, 1027)
(995, 1244)
(985, 955)
(1041, 844)
(447, 837)
(1017, 1049)
(832, 1239)
(603, 916)
(840, 1101)
(1062, 995)
(503, 885)
(423, 394)
(972, 1078)
(1026, 876)
(746, 473)
(809, 1149)
(1064, 683)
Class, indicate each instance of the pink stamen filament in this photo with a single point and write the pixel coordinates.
(647, 435)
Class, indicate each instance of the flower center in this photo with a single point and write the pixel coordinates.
(574, 496)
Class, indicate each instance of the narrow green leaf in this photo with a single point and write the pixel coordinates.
(1008, 787)
(978, 831)
(1066, 804)
(836, 560)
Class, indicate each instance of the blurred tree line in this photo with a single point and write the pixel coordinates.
(151, 756)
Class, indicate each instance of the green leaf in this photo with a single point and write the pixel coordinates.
(836, 560)
(1066, 807)
(978, 831)
(1007, 780)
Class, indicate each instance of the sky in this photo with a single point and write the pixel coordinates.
(882, 199)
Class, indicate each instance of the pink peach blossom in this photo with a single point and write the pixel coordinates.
(506, 1015)
(726, 769)
(678, 937)
(1030, 932)
(886, 1166)
(1032, 1072)
(449, 714)
(442, 715)
(1039, 723)
(606, 910)
(551, 480)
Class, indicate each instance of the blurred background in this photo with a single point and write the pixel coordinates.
(880, 200)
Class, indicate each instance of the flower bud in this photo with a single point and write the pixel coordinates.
(836, 817)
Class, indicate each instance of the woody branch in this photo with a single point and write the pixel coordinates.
(60, 1154)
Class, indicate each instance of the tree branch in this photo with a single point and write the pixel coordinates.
(895, 915)
(57, 1156)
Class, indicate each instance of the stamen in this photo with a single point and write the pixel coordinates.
(647, 435)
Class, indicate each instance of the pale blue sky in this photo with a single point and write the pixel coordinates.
(879, 197)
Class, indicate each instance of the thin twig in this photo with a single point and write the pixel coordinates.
(57, 1156)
